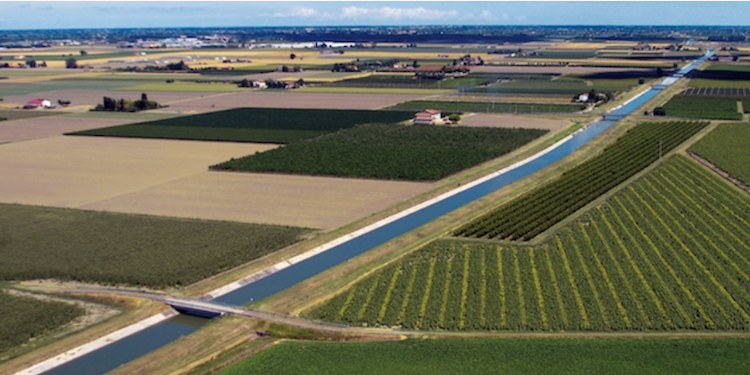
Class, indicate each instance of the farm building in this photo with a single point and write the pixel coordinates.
(38, 103)
(428, 117)
(261, 83)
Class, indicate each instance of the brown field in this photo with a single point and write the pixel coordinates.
(170, 178)
(288, 99)
(312, 202)
(93, 97)
(511, 121)
(553, 69)
(74, 171)
(43, 127)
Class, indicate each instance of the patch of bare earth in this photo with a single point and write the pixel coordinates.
(288, 99)
(43, 127)
(306, 201)
(512, 121)
(74, 171)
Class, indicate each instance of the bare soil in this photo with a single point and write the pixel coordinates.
(74, 171)
(312, 202)
(43, 127)
(512, 121)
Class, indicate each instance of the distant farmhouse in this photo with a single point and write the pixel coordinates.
(428, 117)
(38, 103)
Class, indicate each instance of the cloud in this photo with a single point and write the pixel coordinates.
(487, 15)
(299, 12)
(382, 13)
(353, 12)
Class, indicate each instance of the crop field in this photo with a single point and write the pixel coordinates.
(99, 247)
(446, 106)
(728, 67)
(720, 83)
(94, 169)
(392, 152)
(42, 127)
(703, 107)
(499, 356)
(726, 147)
(374, 90)
(10, 114)
(25, 318)
(537, 86)
(386, 81)
(512, 121)
(538, 210)
(63, 84)
(563, 54)
(716, 91)
(286, 99)
(565, 85)
(670, 252)
(183, 86)
(260, 125)
(84, 99)
(304, 201)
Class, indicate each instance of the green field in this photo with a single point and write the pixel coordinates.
(727, 148)
(394, 152)
(538, 210)
(703, 107)
(373, 90)
(184, 87)
(64, 84)
(21, 114)
(745, 68)
(670, 252)
(703, 82)
(536, 86)
(109, 248)
(260, 125)
(420, 105)
(500, 356)
(25, 318)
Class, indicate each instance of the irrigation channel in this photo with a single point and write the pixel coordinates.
(134, 345)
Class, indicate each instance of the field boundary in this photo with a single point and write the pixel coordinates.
(719, 171)
(343, 239)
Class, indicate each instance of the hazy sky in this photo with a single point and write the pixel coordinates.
(115, 14)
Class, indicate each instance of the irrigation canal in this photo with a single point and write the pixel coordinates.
(149, 339)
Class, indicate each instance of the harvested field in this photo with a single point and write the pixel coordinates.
(555, 69)
(93, 97)
(509, 121)
(289, 99)
(43, 127)
(74, 171)
(312, 202)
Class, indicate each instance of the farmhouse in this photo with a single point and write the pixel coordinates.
(427, 117)
(38, 103)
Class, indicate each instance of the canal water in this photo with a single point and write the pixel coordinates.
(132, 347)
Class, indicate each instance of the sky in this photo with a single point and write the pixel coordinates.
(16, 15)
